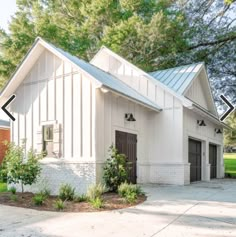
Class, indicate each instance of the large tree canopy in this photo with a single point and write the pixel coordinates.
(153, 34)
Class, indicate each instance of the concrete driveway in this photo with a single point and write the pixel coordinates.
(200, 209)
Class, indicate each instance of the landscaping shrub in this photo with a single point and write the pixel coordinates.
(20, 169)
(126, 188)
(95, 191)
(66, 192)
(129, 192)
(12, 190)
(14, 198)
(131, 197)
(38, 199)
(80, 198)
(59, 205)
(97, 203)
(115, 169)
(45, 192)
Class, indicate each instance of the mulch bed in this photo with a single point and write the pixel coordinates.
(111, 202)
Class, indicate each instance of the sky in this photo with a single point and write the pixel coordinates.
(7, 9)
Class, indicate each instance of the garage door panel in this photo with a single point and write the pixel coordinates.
(195, 160)
(213, 160)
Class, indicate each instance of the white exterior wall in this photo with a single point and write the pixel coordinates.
(160, 135)
(206, 135)
(54, 92)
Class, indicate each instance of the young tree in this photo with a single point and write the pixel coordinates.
(19, 169)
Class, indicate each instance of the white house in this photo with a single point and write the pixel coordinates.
(75, 110)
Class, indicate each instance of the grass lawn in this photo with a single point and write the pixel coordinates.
(3, 187)
(230, 163)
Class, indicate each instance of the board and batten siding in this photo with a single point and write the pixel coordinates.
(167, 129)
(54, 92)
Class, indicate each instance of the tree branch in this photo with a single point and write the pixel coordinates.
(211, 43)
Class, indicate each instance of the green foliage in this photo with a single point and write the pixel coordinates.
(80, 198)
(130, 192)
(97, 203)
(95, 191)
(230, 135)
(115, 169)
(12, 190)
(21, 169)
(3, 187)
(66, 192)
(38, 199)
(125, 188)
(45, 192)
(59, 205)
(14, 197)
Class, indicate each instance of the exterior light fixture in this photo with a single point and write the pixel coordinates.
(201, 123)
(129, 117)
(218, 131)
(104, 90)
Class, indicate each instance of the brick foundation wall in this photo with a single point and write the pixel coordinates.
(80, 175)
(4, 135)
(176, 174)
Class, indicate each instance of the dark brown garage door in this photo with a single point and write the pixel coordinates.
(195, 160)
(213, 160)
(126, 143)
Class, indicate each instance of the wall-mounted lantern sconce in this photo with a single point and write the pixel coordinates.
(201, 123)
(218, 131)
(129, 117)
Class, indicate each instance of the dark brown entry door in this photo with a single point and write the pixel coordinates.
(213, 160)
(195, 160)
(126, 143)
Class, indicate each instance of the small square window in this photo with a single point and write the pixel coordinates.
(48, 133)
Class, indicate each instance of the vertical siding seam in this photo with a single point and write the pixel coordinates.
(63, 106)
(91, 118)
(18, 115)
(81, 117)
(72, 114)
(55, 88)
(25, 131)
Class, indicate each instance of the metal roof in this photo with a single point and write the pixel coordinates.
(178, 78)
(4, 123)
(108, 80)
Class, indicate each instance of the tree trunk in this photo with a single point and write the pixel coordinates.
(22, 187)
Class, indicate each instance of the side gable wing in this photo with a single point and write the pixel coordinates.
(199, 92)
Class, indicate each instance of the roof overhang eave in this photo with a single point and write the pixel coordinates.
(156, 109)
(208, 115)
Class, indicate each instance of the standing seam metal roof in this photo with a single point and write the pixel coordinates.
(107, 79)
(178, 78)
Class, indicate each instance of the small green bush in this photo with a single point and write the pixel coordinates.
(38, 199)
(14, 198)
(97, 203)
(95, 191)
(131, 197)
(45, 192)
(80, 198)
(59, 205)
(126, 188)
(66, 192)
(115, 169)
(130, 192)
(12, 190)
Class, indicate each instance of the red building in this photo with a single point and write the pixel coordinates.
(4, 135)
